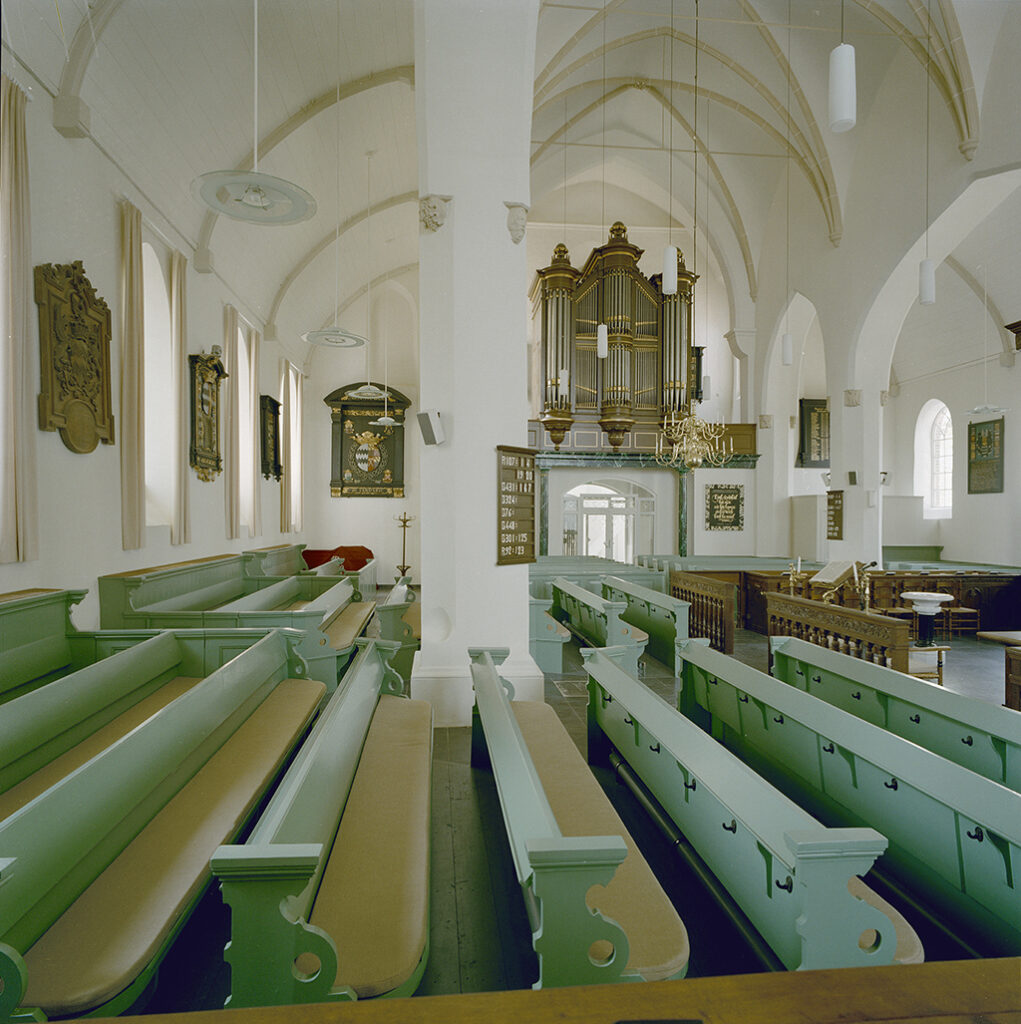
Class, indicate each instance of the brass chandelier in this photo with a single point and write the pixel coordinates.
(692, 442)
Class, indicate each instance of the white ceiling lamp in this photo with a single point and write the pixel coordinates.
(250, 195)
(602, 331)
(927, 267)
(368, 391)
(669, 283)
(843, 105)
(336, 336)
(985, 409)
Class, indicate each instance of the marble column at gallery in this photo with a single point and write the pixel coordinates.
(474, 68)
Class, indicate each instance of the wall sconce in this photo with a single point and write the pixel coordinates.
(827, 477)
(884, 477)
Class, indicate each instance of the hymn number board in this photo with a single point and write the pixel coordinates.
(515, 525)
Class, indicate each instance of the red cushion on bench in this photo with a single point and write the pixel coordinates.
(354, 556)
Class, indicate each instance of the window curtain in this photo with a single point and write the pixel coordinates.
(232, 497)
(180, 518)
(132, 424)
(19, 540)
(291, 510)
(255, 432)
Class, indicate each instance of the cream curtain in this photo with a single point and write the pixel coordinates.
(132, 425)
(232, 502)
(255, 433)
(290, 447)
(180, 517)
(19, 541)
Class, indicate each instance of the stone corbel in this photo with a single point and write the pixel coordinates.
(71, 116)
(517, 218)
(852, 398)
(202, 261)
(432, 211)
(765, 421)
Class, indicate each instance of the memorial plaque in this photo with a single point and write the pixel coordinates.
(814, 433)
(985, 457)
(724, 506)
(515, 500)
(834, 515)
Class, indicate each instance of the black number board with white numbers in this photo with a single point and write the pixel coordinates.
(515, 504)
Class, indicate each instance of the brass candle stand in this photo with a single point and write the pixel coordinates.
(795, 580)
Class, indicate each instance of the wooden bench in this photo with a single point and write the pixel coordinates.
(597, 912)
(973, 733)
(596, 621)
(797, 881)
(34, 646)
(546, 636)
(329, 894)
(586, 570)
(326, 608)
(400, 620)
(99, 872)
(662, 617)
(955, 837)
(50, 732)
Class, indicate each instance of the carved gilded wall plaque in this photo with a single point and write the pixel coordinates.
(204, 452)
(269, 419)
(74, 354)
(367, 459)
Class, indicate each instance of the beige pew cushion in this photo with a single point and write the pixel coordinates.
(374, 896)
(634, 898)
(349, 624)
(62, 766)
(107, 937)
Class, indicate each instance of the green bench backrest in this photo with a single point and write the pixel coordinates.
(957, 833)
(61, 841)
(663, 617)
(282, 592)
(33, 639)
(756, 840)
(41, 725)
(972, 733)
(284, 560)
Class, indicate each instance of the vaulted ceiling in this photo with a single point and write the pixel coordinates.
(167, 90)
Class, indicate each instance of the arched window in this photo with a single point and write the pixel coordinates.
(160, 414)
(941, 440)
(934, 459)
(609, 519)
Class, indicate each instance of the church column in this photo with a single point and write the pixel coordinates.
(473, 94)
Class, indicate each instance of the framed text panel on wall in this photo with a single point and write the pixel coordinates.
(724, 506)
(834, 515)
(515, 502)
(985, 457)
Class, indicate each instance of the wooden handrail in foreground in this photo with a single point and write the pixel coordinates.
(867, 635)
(713, 607)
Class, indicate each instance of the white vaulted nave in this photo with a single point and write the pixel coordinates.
(853, 295)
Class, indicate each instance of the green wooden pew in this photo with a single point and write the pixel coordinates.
(546, 636)
(100, 872)
(972, 733)
(662, 617)
(596, 621)
(596, 910)
(586, 570)
(212, 596)
(955, 837)
(126, 678)
(392, 614)
(797, 881)
(329, 894)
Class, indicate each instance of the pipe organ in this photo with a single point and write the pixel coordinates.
(649, 370)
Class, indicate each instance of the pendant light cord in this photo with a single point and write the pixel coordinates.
(368, 257)
(670, 156)
(694, 145)
(603, 140)
(336, 246)
(787, 201)
(255, 88)
(928, 62)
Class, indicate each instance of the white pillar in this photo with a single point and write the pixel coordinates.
(473, 86)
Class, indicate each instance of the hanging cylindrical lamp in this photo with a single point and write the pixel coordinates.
(602, 341)
(843, 99)
(787, 350)
(669, 269)
(927, 282)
